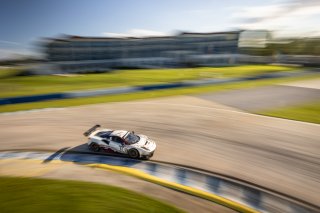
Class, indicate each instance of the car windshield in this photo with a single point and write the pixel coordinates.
(104, 134)
(132, 138)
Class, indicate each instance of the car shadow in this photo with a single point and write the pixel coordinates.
(83, 149)
(54, 155)
(82, 155)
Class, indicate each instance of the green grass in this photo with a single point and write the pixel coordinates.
(11, 85)
(9, 72)
(148, 94)
(43, 195)
(309, 112)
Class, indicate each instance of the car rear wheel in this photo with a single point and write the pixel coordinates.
(94, 147)
(133, 153)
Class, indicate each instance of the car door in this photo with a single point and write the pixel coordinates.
(105, 141)
(116, 144)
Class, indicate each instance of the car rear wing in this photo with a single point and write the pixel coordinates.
(89, 131)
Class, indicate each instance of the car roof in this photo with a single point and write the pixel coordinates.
(110, 132)
(119, 133)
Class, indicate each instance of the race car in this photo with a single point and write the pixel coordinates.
(120, 141)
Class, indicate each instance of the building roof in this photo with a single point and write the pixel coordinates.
(66, 38)
(210, 33)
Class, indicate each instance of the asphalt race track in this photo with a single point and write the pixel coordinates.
(264, 98)
(279, 154)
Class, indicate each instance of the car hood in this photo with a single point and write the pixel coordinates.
(146, 143)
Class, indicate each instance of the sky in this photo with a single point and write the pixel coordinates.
(24, 22)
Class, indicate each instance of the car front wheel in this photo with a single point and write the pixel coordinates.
(133, 153)
(94, 147)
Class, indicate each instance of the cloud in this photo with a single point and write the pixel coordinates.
(11, 49)
(295, 16)
(136, 33)
(115, 34)
(9, 42)
(7, 53)
(277, 10)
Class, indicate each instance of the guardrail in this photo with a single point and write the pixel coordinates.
(125, 90)
(234, 194)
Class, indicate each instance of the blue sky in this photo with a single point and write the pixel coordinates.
(23, 22)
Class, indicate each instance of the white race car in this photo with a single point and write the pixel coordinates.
(120, 141)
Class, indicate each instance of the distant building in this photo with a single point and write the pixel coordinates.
(76, 54)
(82, 54)
(254, 38)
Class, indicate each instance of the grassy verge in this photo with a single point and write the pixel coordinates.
(11, 85)
(41, 195)
(307, 112)
(9, 72)
(148, 94)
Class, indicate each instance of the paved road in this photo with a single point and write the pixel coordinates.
(276, 153)
(263, 98)
(314, 83)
